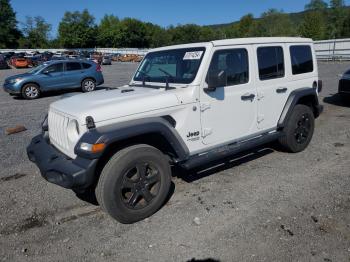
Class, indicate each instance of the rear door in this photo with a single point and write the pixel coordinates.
(229, 112)
(272, 84)
(73, 74)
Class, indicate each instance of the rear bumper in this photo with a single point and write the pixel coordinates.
(57, 168)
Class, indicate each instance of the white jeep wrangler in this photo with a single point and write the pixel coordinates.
(186, 105)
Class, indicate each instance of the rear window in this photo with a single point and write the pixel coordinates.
(271, 62)
(73, 66)
(301, 57)
(86, 65)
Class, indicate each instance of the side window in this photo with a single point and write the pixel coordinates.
(86, 66)
(301, 57)
(271, 62)
(56, 68)
(234, 62)
(71, 66)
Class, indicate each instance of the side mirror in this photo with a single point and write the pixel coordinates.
(216, 79)
(46, 72)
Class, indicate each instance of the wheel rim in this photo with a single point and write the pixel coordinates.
(302, 129)
(89, 85)
(31, 91)
(140, 185)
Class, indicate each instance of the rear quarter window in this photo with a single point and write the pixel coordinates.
(301, 58)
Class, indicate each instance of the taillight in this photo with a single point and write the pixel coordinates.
(98, 68)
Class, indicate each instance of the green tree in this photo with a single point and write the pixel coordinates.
(156, 36)
(132, 33)
(36, 33)
(9, 34)
(313, 25)
(108, 31)
(77, 29)
(346, 26)
(191, 33)
(181, 34)
(246, 26)
(274, 23)
(316, 5)
(336, 18)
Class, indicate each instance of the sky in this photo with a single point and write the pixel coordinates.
(161, 12)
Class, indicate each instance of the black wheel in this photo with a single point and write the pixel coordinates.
(88, 85)
(134, 184)
(299, 129)
(30, 91)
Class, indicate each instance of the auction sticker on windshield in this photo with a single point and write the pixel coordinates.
(193, 55)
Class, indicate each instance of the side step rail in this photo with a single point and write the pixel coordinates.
(229, 150)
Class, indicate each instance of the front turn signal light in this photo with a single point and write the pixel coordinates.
(95, 148)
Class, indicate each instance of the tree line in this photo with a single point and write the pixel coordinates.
(320, 20)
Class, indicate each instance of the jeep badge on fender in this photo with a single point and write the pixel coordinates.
(248, 92)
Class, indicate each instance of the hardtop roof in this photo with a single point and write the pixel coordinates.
(240, 41)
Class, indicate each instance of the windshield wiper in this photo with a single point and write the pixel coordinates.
(144, 75)
(168, 75)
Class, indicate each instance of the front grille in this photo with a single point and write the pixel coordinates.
(58, 131)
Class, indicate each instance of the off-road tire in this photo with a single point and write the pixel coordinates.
(118, 176)
(88, 85)
(30, 91)
(299, 130)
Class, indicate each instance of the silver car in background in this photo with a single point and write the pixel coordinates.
(106, 60)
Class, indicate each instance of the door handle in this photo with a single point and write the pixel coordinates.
(281, 90)
(248, 97)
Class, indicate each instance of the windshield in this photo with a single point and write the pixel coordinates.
(36, 69)
(175, 66)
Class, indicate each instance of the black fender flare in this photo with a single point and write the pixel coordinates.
(125, 130)
(293, 100)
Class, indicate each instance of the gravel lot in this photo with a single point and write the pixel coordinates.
(266, 206)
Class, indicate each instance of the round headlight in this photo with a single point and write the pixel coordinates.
(73, 130)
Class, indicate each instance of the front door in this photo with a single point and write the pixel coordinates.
(52, 77)
(229, 113)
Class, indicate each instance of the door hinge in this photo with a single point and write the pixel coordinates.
(260, 96)
(260, 118)
(205, 106)
(207, 132)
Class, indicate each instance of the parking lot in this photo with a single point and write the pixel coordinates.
(265, 206)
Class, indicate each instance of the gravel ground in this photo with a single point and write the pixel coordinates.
(266, 206)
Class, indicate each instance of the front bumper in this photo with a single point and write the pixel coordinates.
(57, 168)
(319, 110)
(12, 88)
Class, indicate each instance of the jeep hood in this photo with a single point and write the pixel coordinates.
(114, 103)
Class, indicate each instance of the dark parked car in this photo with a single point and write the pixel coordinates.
(3, 63)
(344, 86)
(55, 75)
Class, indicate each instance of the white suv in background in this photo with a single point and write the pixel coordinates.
(186, 105)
